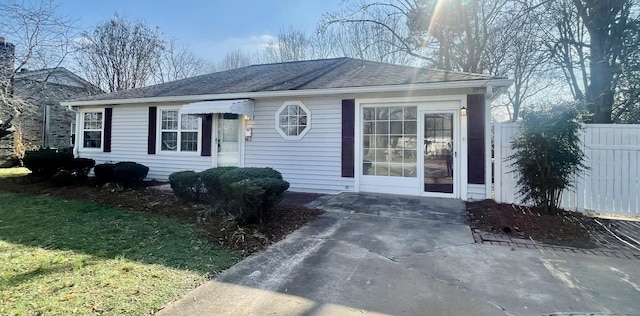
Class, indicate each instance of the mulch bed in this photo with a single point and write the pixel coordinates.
(288, 216)
(557, 227)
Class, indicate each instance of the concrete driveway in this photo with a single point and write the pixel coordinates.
(382, 254)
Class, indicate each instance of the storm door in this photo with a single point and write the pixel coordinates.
(440, 154)
(228, 142)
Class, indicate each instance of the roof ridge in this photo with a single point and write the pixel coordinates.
(421, 67)
(295, 62)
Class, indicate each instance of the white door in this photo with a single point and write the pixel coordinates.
(228, 140)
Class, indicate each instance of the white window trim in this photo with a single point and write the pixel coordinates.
(277, 120)
(80, 138)
(159, 134)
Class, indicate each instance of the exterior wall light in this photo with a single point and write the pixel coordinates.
(463, 111)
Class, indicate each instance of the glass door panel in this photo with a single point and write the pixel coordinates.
(228, 144)
(438, 152)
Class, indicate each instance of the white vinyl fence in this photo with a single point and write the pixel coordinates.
(609, 187)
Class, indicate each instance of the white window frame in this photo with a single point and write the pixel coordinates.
(179, 131)
(277, 120)
(80, 140)
(73, 137)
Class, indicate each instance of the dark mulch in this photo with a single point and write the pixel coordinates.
(288, 216)
(557, 227)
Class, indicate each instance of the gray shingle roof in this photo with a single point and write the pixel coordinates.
(300, 75)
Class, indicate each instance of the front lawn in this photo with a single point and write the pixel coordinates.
(68, 257)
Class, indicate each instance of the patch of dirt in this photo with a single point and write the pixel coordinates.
(558, 227)
(289, 215)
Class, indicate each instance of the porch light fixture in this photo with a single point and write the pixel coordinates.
(463, 111)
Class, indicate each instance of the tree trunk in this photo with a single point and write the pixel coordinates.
(599, 96)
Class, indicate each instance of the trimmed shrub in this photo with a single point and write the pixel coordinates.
(62, 178)
(80, 167)
(211, 180)
(256, 197)
(104, 173)
(547, 155)
(129, 172)
(45, 162)
(186, 185)
(233, 176)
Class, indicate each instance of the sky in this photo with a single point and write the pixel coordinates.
(211, 28)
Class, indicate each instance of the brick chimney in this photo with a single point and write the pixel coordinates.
(7, 60)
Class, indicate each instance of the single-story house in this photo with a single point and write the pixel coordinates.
(327, 125)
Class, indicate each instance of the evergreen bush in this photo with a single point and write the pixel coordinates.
(548, 156)
(186, 185)
(45, 162)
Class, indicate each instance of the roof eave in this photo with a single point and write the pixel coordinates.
(497, 82)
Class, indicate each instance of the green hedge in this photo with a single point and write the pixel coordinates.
(80, 167)
(256, 197)
(211, 180)
(104, 173)
(126, 172)
(248, 194)
(129, 172)
(187, 185)
(45, 162)
(235, 175)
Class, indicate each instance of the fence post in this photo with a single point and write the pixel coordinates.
(497, 162)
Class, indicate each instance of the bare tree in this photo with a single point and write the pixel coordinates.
(289, 45)
(179, 63)
(524, 59)
(234, 59)
(369, 41)
(627, 100)
(41, 35)
(588, 43)
(120, 54)
(454, 36)
(40, 38)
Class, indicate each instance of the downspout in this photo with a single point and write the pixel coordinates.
(75, 141)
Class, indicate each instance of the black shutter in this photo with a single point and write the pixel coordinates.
(151, 133)
(348, 132)
(476, 137)
(108, 113)
(207, 123)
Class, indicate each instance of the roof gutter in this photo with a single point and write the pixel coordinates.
(300, 93)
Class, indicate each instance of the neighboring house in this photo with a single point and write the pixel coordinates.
(43, 122)
(327, 125)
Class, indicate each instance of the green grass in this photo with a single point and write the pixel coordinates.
(13, 172)
(61, 257)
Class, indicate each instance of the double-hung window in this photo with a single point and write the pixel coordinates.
(178, 132)
(92, 125)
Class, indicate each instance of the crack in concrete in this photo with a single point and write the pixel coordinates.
(432, 251)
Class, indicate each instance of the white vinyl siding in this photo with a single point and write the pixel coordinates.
(311, 164)
(129, 143)
(476, 192)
